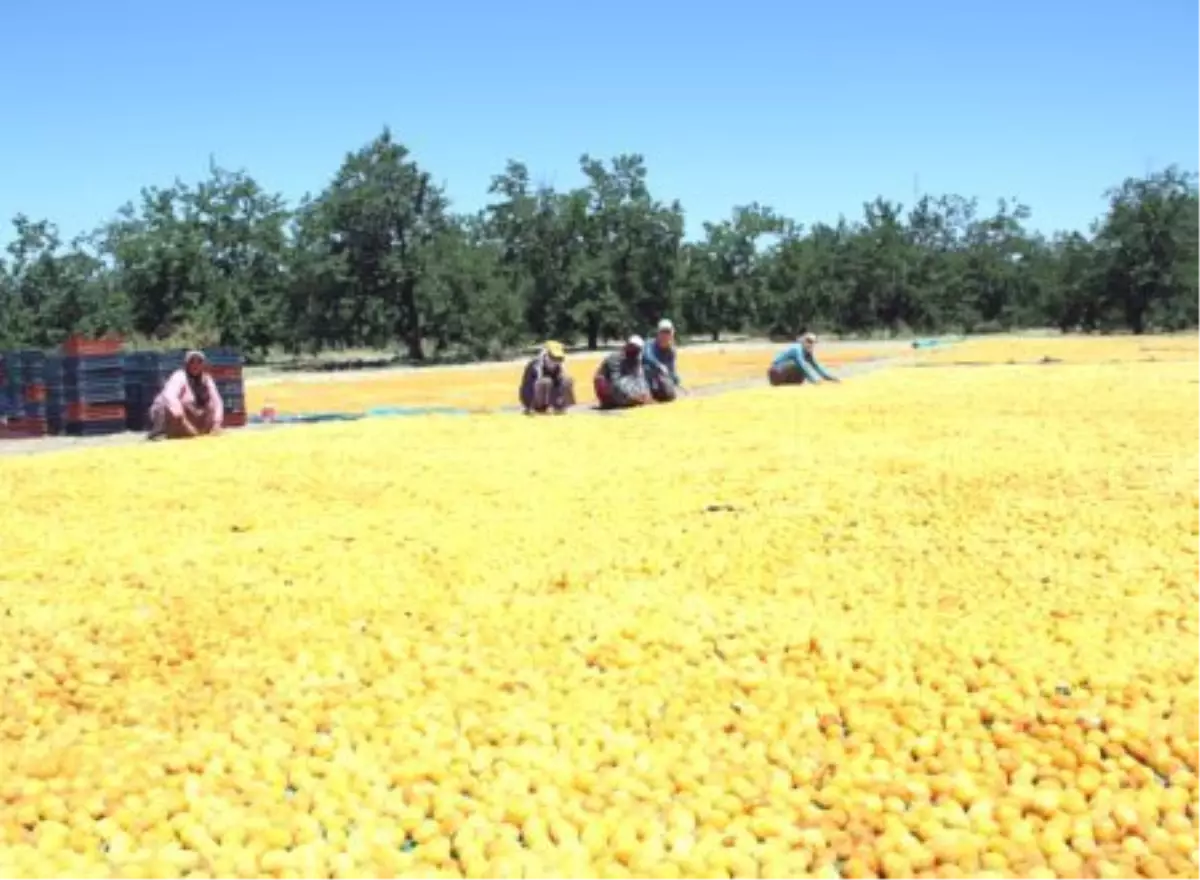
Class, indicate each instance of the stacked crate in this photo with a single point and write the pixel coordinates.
(23, 394)
(6, 366)
(5, 401)
(225, 366)
(146, 372)
(54, 392)
(92, 389)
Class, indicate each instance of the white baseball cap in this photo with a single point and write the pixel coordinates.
(636, 341)
(665, 324)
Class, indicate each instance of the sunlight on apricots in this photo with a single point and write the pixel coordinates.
(930, 623)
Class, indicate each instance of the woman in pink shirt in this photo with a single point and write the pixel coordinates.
(189, 404)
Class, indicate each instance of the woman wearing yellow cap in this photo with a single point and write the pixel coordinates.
(545, 385)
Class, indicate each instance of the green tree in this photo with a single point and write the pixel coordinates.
(376, 229)
(725, 281)
(49, 290)
(1148, 247)
(378, 259)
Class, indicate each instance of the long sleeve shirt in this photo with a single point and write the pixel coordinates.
(663, 359)
(177, 394)
(538, 368)
(617, 365)
(805, 360)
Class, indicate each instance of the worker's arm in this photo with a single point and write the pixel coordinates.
(808, 366)
(529, 377)
(821, 371)
(172, 393)
(215, 402)
(652, 367)
(669, 365)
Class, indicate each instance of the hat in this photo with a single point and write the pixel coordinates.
(555, 350)
(665, 324)
(810, 338)
(635, 341)
(195, 355)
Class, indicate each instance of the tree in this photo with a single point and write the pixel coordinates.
(1148, 246)
(376, 228)
(48, 291)
(726, 286)
(377, 259)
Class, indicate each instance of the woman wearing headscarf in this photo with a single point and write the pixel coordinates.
(189, 405)
(545, 385)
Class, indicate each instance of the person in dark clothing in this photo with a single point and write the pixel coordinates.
(661, 374)
(798, 364)
(620, 380)
(545, 385)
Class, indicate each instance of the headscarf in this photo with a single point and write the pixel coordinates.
(197, 383)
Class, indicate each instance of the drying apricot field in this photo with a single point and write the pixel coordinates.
(931, 623)
(495, 385)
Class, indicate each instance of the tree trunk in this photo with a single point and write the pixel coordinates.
(1136, 307)
(593, 335)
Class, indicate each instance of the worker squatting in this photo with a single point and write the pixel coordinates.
(189, 405)
(638, 373)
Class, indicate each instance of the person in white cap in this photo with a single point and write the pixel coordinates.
(798, 364)
(620, 380)
(661, 375)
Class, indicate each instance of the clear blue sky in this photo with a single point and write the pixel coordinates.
(810, 107)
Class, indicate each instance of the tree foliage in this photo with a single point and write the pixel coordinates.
(379, 258)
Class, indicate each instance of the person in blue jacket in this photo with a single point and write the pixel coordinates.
(798, 364)
(659, 360)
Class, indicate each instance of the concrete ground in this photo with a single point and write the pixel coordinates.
(890, 351)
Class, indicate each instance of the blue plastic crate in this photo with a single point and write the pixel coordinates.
(95, 380)
(100, 363)
(78, 377)
(94, 429)
(108, 392)
(137, 418)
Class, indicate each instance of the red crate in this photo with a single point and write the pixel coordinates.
(15, 429)
(235, 420)
(93, 412)
(80, 346)
(35, 393)
(225, 373)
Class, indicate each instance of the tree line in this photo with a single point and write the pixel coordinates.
(380, 259)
